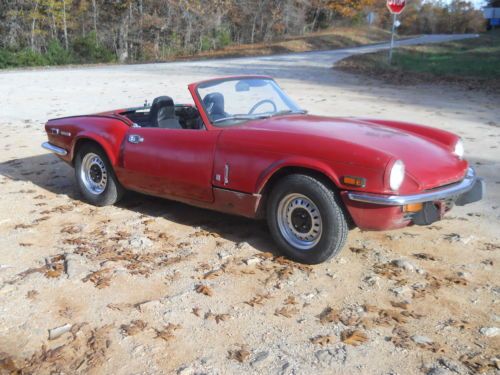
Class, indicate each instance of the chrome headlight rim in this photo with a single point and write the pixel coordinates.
(396, 175)
(459, 150)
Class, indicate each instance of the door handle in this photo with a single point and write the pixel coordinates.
(134, 138)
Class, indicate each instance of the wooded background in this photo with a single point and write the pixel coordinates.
(45, 32)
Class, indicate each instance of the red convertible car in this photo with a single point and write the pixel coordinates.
(246, 148)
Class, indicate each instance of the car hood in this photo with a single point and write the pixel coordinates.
(428, 162)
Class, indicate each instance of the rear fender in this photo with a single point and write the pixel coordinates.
(111, 149)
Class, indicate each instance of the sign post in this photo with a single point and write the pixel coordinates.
(395, 7)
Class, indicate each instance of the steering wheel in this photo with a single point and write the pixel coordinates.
(262, 102)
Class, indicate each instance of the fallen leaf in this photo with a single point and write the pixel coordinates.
(240, 355)
(100, 279)
(353, 338)
(400, 305)
(287, 312)
(119, 306)
(203, 289)
(425, 256)
(329, 315)
(291, 301)
(133, 328)
(213, 274)
(394, 315)
(167, 333)
(258, 299)
(32, 294)
(196, 311)
(323, 340)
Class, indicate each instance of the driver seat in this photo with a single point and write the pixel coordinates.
(162, 113)
(214, 105)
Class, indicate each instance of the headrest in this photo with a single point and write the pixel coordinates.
(214, 103)
(162, 107)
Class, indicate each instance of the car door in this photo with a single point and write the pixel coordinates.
(169, 162)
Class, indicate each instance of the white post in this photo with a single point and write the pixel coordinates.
(392, 37)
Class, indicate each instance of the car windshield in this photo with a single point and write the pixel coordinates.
(233, 101)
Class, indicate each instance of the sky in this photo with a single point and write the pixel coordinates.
(477, 3)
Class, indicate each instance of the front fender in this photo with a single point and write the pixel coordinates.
(296, 162)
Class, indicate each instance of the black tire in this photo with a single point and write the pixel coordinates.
(333, 225)
(112, 192)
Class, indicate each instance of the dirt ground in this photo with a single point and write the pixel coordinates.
(153, 286)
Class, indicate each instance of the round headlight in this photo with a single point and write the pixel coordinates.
(397, 175)
(459, 149)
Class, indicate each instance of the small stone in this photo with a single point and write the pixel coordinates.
(260, 358)
(452, 366)
(422, 340)
(328, 356)
(438, 371)
(149, 306)
(223, 255)
(185, 370)
(75, 266)
(252, 261)
(402, 291)
(490, 331)
(6, 288)
(54, 333)
(404, 264)
(139, 242)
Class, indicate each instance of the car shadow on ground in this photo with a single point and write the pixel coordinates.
(51, 174)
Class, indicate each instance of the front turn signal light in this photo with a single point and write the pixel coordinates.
(415, 207)
(354, 181)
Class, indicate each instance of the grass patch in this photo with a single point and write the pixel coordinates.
(473, 62)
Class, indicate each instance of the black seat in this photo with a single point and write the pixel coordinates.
(162, 113)
(214, 105)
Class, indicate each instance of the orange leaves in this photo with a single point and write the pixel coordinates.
(323, 340)
(353, 337)
(203, 289)
(240, 355)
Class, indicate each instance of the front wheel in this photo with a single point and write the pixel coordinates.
(95, 176)
(306, 219)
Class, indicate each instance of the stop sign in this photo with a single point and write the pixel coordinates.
(396, 6)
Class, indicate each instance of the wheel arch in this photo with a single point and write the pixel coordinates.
(324, 175)
(95, 140)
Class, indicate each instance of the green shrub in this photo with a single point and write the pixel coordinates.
(56, 54)
(87, 50)
(7, 59)
(27, 57)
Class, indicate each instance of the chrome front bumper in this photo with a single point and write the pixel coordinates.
(54, 149)
(470, 189)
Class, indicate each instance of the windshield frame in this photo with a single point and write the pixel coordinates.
(213, 82)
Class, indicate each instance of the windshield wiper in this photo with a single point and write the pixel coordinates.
(239, 117)
(288, 112)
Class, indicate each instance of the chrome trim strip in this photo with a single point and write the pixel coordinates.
(449, 191)
(54, 149)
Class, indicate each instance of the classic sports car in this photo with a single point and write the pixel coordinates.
(246, 148)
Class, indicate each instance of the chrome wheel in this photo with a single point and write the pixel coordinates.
(93, 173)
(299, 221)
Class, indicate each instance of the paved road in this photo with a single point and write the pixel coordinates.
(279, 64)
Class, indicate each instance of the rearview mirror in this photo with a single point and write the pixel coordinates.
(242, 86)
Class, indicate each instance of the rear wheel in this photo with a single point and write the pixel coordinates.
(95, 176)
(306, 219)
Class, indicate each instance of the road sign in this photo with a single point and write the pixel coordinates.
(396, 6)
